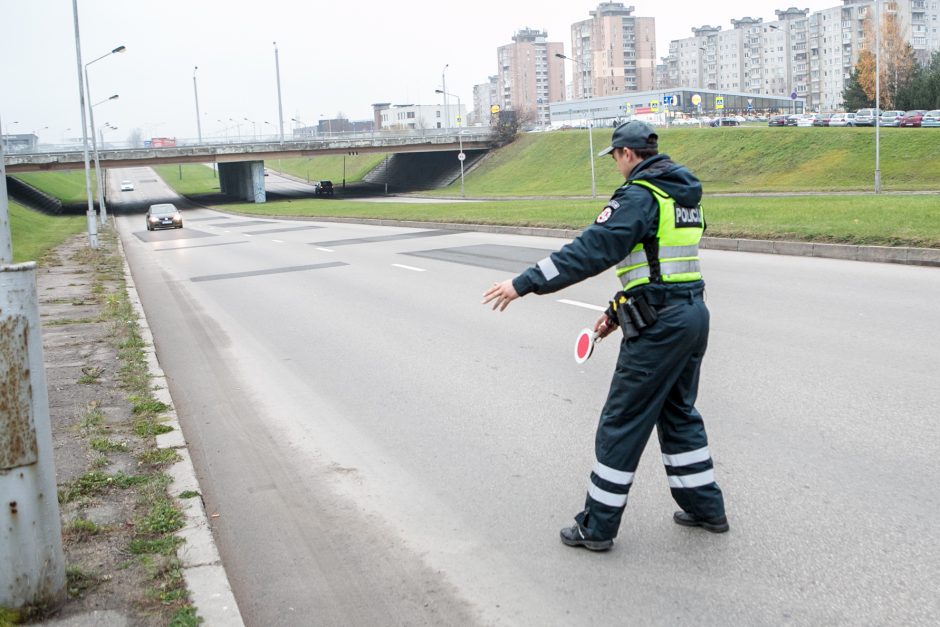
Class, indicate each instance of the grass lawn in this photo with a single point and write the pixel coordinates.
(328, 167)
(882, 220)
(35, 233)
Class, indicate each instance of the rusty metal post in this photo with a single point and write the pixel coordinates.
(32, 564)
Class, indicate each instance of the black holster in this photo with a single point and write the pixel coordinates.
(632, 312)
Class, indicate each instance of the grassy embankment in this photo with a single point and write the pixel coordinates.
(34, 233)
(66, 185)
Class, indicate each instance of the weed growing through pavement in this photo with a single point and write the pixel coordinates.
(104, 445)
(157, 517)
(189, 494)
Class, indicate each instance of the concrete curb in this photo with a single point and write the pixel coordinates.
(879, 254)
(203, 570)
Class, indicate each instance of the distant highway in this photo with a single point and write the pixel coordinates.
(375, 447)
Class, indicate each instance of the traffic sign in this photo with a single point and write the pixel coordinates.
(461, 156)
(494, 109)
(668, 99)
(719, 102)
(654, 106)
(584, 345)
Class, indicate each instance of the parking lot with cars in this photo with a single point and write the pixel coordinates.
(915, 118)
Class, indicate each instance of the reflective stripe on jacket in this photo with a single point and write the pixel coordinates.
(672, 256)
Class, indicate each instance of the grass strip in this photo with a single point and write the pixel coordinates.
(884, 220)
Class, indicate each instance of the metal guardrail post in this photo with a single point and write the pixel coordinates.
(32, 565)
(33, 571)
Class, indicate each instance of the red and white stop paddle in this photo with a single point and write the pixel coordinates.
(584, 345)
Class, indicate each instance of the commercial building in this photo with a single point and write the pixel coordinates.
(414, 116)
(665, 106)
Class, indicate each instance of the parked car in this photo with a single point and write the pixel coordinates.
(164, 216)
(324, 187)
(806, 120)
(891, 118)
(777, 120)
(725, 122)
(931, 119)
(866, 117)
(127, 186)
(792, 120)
(842, 119)
(822, 119)
(912, 118)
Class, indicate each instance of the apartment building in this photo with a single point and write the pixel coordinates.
(485, 95)
(614, 52)
(800, 54)
(530, 75)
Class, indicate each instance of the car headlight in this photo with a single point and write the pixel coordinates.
(154, 219)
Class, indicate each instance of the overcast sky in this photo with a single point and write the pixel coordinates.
(335, 56)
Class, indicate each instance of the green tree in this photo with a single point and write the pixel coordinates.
(854, 96)
(923, 92)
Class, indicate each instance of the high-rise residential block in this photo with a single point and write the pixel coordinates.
(614, 52)
(530, 76)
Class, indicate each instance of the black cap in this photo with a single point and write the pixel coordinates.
(632, 134)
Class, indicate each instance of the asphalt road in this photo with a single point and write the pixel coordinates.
(379, 448)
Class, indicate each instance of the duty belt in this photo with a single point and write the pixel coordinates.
(632, 312)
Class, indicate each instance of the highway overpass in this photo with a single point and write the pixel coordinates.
(241, 165)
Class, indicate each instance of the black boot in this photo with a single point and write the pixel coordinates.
(574, 536)
(715, 525)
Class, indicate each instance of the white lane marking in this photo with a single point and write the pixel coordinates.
(326, 250)
(580, 304)
(279, 241)
(246, 235)
(398, 265)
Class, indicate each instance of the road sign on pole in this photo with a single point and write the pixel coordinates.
(719, 102)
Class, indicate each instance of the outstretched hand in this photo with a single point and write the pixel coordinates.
(501, 294)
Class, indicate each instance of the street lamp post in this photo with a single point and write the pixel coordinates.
(9, 124)
(877, 96)
(196, 96)
(460, 155)
(91, 115)
(443, 92)
(103, 216)
(280, 109)
(238, 128)
(590, 132)
(90, 213)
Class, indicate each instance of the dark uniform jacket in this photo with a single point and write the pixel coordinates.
(630, 217)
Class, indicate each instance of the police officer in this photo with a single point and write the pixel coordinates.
(649, 230)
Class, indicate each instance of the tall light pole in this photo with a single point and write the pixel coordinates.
(877, 96)
(103, 217)
(103, 214)
(280, 109)
(460, 155)
(196, 95)
(90, 214)
(444, 93)
(590, 132)
(9, 124)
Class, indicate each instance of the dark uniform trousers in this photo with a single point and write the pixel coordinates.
(655, 383)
